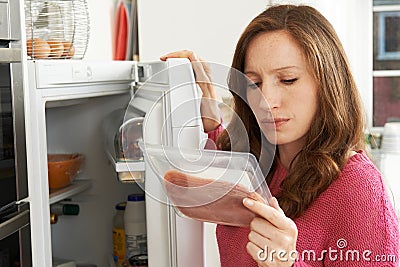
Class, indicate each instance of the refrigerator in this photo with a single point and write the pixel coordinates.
(69, 107)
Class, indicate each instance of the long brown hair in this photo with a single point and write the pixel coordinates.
(339, 121)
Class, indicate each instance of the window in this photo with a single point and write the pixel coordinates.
(388, 24)
(386, 61)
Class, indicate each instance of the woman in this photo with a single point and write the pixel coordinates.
(331, 207)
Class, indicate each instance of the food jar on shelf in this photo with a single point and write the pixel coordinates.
(56, 29)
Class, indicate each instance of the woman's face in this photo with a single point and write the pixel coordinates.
(281, 91)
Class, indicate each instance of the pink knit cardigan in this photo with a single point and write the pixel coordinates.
(352, 223)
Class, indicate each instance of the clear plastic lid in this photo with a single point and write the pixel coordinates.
(122, 132)
(208, 185)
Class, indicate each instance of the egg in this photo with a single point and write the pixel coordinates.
(69, 50)
(38, 48)
(57, 48)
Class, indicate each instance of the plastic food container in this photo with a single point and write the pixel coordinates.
(127, 140)
(63, 168)
(208, 185)
(122, 132)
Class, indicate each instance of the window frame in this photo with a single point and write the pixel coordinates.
(381, 73)
(382, 53)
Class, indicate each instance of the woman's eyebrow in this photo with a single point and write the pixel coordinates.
(247, 72)
(286, 68)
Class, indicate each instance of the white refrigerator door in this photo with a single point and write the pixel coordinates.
(171, 119)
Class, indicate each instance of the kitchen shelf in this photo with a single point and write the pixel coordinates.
(75, 188)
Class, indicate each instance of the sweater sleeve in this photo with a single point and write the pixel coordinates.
(212, 137)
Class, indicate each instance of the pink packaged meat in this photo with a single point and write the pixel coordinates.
(221, 206)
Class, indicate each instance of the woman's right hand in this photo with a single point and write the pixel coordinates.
(209, 104)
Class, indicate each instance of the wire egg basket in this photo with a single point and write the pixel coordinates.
(56, 29)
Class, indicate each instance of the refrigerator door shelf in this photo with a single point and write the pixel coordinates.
(127, 166)
(128, 171)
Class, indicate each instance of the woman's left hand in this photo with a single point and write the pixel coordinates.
(273, 236)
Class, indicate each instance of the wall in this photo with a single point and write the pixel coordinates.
(100, 41)
(211, 28)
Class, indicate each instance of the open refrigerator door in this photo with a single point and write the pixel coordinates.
(164, 110)
(67, 104)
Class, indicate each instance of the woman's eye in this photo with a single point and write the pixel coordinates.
(289, 81)
(254, 85)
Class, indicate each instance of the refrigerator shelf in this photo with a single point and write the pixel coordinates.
(75, 188)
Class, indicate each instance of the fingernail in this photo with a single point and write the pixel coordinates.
(248, 202)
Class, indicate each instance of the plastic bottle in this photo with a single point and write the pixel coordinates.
(119, 244)
(135, 225)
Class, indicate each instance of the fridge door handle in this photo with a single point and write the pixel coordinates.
(14, 224)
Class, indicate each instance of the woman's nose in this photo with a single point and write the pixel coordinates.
(271, 96)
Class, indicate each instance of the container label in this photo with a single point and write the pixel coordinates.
(119, 243)
(136, 244)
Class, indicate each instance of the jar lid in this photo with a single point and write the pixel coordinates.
(136, 197)
(120, 206)
(138, 260)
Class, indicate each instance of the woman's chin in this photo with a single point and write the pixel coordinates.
(271, 137)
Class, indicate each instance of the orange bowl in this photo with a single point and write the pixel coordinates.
(63, 168)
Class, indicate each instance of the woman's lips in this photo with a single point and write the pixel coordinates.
(274, 123)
